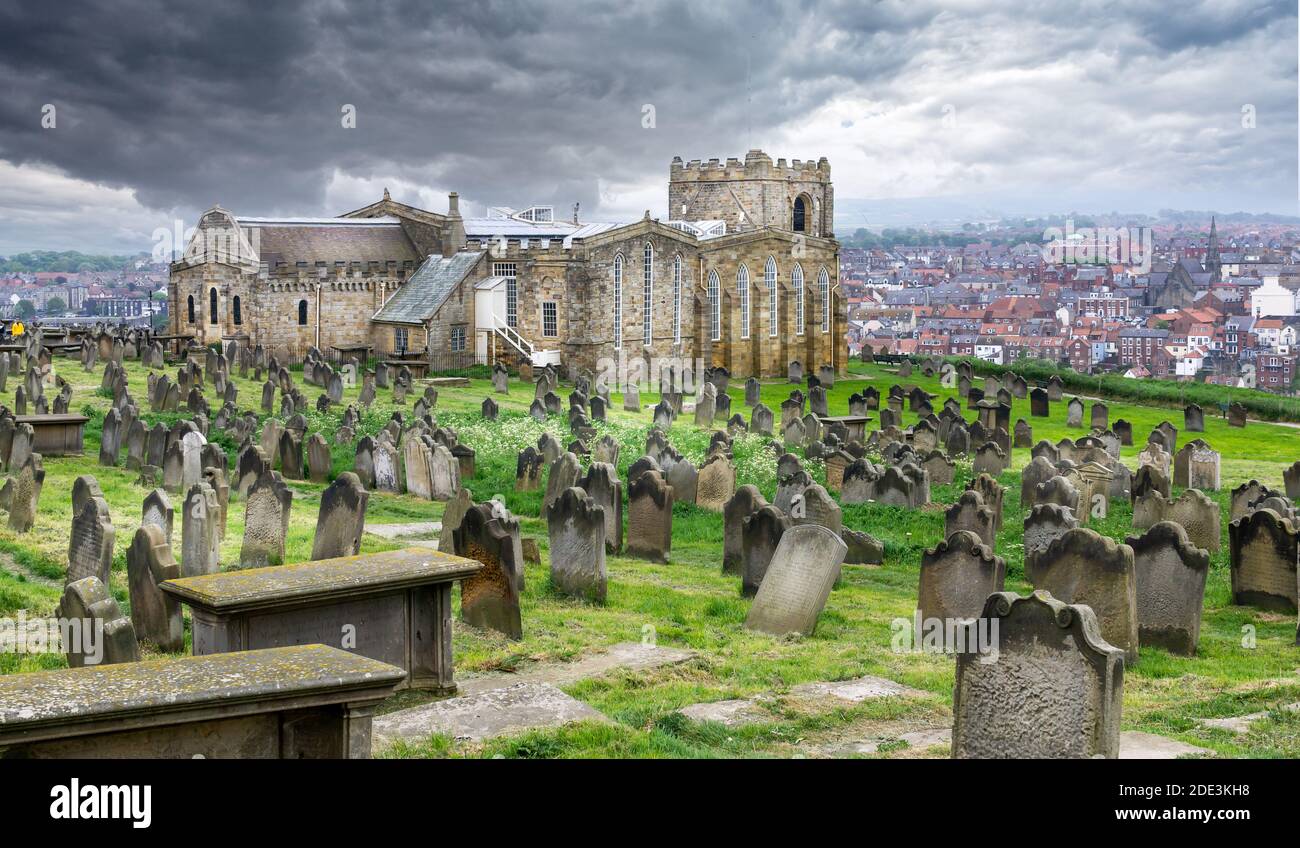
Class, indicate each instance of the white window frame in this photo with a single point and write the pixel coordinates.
(458, 338)
(796, 282)
(647, 292)
(509, 270)
(554, 319)
(677, 299)
(742, 291)
(769, 281)
(824, 288)
(618, 301)
(715, 306)
(401, 339)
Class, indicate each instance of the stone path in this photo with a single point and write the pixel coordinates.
(491, 705)
(1136, 745)
(483, 715)
(1242, 723)
(741, 711)
(413, 530)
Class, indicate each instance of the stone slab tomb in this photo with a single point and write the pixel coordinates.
(393, 606)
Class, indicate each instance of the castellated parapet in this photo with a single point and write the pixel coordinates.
(755, 193)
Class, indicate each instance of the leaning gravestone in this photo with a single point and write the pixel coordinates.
(798, 581)
(744, 503)
(342, 518)
(88, 601)
(155, 615)
(970, 513)
(1050, 688)
(490, 598)
(1044, 524)
(1171, 574)
(1083, 567)
(957, 576)
(564, 472)
(576, 525)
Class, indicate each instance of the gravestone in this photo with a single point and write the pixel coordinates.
(970, 514)
(157, 511)
(341, 519)
(490, 598)
(1124, 432)
(90, 546)
(684, 480)
(957, 576)
(1263, 554)
(1236, 415)
(1193, 418)
(1054, 689)
(753, 392)
(266, 522)
(1039, 404)
(319, 461)
(1192, 510)
(576, 525)
(88, 600)
(798, 582)
(1100, 416)
(1083, 567)
(1171, 574)
(745, 502)
(452, 515)
(1149, 478)
(200, 531)
(649, 517)
(155, 615)
(24, 493)
(760, 420)
(563, 473)
(1043, 524)
(602, 485)
(1074, 413)
(715, 483)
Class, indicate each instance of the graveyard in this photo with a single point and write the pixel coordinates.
(659, 645)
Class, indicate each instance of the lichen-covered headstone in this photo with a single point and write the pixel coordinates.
(155, 615)
(342, 518)
(1050, 688)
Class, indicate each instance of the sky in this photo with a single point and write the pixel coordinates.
(123, 120)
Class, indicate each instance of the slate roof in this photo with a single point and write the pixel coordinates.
(313, 240)
(417, 300)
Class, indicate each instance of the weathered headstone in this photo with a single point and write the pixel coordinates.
(1171, 574)
(155, 615)
(798, 581)
(576, 525)
(341, 519)
(957, 576)
(1051, 688)
(649, 517)
(490, 598)
(1083, 567)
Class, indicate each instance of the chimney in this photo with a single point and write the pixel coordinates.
(453, 237)
(575, 213)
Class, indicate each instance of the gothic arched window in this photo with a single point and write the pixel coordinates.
(769, 282)
(212, 306)
(618, 302)
(800, 222)
(302, 313)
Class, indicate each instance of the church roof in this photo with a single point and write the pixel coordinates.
(330, 240)
(419, 298)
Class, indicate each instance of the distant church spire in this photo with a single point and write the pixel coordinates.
(1212, 263)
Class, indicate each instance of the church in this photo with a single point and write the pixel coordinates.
(741, 273)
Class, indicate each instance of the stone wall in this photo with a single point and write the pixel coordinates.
(752, 194)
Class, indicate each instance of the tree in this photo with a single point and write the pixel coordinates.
(24, 309)
(55, 306)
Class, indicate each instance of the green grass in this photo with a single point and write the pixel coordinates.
(689, 603)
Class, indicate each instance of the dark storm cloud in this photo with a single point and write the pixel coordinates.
(187, 104)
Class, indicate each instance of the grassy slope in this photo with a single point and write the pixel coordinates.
(688, 603)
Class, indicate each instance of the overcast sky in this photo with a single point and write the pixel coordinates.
(163, 109)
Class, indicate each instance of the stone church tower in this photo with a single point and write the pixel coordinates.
(796, 197)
